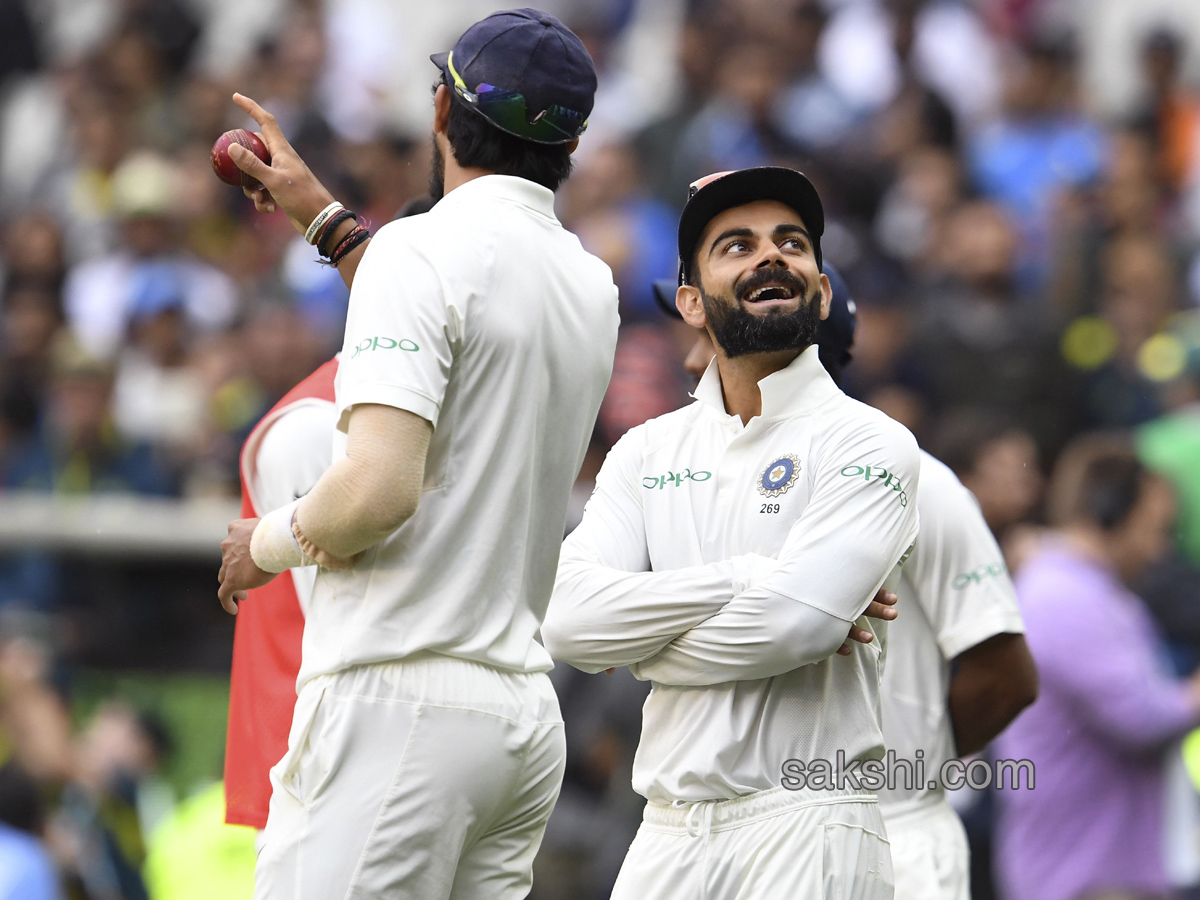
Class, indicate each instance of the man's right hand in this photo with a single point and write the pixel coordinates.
(882, 607)
(287, 181)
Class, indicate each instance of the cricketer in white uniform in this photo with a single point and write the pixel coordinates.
(427, 749)
(957, 605)
(954, 595)
(724, 557)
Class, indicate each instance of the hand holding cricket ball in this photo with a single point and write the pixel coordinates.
(268, 170)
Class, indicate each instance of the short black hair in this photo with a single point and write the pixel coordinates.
(963, 434)
(1111, 488)
(477, 144)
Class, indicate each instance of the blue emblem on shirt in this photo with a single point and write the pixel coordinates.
(779, 476)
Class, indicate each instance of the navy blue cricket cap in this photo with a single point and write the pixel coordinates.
(525, 72)
(835, 334)
(713, 194)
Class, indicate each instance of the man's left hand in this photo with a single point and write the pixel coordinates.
(882, 607)
(239, 573)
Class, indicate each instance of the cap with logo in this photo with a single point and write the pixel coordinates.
(526, 73)
(713, 194)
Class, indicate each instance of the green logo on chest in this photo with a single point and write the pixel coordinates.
(652, 482)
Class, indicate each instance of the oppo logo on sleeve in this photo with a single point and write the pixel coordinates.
(368, 345)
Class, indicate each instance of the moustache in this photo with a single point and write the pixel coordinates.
(784, 278)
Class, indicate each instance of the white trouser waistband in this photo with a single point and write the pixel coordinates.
(436, 680)
(703, 817)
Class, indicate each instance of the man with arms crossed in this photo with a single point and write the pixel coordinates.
(426, 748)
(726, 552)
(958, 669)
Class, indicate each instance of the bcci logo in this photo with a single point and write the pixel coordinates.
(779, 476)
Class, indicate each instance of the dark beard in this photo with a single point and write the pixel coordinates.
(740, 332)
(437, 173)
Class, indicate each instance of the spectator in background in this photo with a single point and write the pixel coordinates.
(975, 342)
(1170, 111)
(100, 292)
(809, 110)
(996, 460)
(96, 831)
(26, 869)
(157, 398)
(1107, 711)
(633, 233)
(1040, 144)
(76, 448)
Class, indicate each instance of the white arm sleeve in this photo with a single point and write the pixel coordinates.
(858, 525)
(607, 609)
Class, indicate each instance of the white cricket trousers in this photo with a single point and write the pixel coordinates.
(930, 855)
(773, 845)
(429, 778)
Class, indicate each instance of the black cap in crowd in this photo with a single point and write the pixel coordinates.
(525, 72)
(716, 193)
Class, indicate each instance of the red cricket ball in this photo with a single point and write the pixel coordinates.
(225, 167)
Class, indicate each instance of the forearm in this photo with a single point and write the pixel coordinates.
(758, 634)
(349, 264)
(600, 617)
(994, 681)
(360, 500)
(372, 491)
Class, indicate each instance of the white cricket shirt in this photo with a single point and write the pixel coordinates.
(954, 593)
(813, 505)
(287, 460)
(486, 317)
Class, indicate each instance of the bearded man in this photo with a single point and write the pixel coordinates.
(729, 550)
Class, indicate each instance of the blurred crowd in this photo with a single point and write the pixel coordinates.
(1023, 255)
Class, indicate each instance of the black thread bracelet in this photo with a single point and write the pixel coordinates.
(323, 247)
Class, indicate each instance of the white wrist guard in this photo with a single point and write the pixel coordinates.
(273, 547)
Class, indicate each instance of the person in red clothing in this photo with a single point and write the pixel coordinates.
(281, 460)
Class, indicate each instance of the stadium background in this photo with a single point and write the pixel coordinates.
(1013, 193)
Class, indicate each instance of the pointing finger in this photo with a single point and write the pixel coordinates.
(272, 135)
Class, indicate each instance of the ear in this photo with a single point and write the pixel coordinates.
(826, 295)
(690, 306)
(573, 146)
(441, 109)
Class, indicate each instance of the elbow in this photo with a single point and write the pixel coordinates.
(556, 641)
(1021, 685)
(382, 522)
(809, 640)
(559, 640)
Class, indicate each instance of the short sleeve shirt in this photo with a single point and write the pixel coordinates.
(955, 593)
(487, 318)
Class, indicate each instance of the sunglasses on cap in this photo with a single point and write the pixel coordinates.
(507, 110)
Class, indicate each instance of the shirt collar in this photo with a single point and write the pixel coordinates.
(521, 191)
(798, 388)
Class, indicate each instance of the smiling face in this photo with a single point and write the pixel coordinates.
(757, 287)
